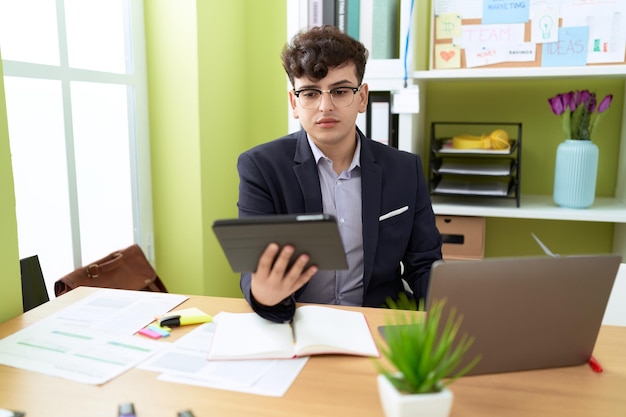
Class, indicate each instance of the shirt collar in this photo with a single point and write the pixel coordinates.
(318, 154)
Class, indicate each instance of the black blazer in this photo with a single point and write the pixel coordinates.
(280, 177)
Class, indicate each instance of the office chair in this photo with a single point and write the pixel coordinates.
(34, 290)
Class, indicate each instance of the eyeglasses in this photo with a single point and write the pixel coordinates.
(341, 96)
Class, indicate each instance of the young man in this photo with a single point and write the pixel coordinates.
(378, 194)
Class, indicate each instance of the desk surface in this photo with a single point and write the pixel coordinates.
(327, 386)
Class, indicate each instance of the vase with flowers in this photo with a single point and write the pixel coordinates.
(576, 166)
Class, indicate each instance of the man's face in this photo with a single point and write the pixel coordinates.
(326, 123)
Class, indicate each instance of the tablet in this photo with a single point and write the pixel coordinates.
(243, 240)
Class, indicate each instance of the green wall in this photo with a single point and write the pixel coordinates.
(511, 237)
(10, 282)
(171, 50)
(216, 88)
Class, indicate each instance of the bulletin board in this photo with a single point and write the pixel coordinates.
(527, 33)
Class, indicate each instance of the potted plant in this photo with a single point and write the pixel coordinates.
(420, 357)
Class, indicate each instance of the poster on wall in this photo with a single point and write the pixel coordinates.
(527, 33)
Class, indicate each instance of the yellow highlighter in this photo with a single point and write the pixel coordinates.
(175, 321)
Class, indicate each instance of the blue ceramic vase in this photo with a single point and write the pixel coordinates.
(575, 173)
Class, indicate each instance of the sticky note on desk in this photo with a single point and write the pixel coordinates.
(149, 333)
(163, 331)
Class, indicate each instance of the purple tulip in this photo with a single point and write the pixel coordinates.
(591, 106)
(556, 104)
(605, 103)
(569, 101)
(582, 96)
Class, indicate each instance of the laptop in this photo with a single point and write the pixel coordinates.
(527, 312)
(244, 239)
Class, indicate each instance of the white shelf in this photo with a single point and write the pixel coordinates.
(541, 207)
(521, 73)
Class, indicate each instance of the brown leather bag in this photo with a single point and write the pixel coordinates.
(126, 269)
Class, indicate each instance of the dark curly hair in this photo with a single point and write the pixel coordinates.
(312, 52)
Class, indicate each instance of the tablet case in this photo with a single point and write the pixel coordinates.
(243, 240)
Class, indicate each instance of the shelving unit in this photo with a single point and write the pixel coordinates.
(412, 134)
(541, 207)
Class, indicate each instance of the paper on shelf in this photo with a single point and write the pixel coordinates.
(448, 167)
(446, 186)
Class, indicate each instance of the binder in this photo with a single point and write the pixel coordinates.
(381, 124)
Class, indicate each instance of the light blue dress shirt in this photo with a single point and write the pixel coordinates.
(341, 197)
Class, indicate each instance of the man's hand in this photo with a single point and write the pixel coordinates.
(272, 283)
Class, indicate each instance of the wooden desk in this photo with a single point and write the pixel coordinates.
(327, 386)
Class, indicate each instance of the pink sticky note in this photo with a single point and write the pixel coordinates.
(150, 333)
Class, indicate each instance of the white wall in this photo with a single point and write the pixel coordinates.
(616, 309)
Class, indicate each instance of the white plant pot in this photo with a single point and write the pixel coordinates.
(397, 404)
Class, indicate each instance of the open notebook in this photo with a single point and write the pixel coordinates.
(314, 330)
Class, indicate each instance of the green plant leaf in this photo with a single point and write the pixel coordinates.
(577, 117)
(423, 355)
(566, 124)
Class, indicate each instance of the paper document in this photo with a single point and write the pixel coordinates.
(472, 188)
(474, 169)
(185, 362)
(118, 311)
(76, 353)
(90, 341)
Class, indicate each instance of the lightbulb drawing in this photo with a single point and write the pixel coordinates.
(545, 25)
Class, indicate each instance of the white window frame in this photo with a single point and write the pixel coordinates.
(138, 125)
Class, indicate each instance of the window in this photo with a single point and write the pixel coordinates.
(75, 85)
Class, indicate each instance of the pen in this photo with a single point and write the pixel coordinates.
(595, 365)
(175, 321)
(126, 410)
